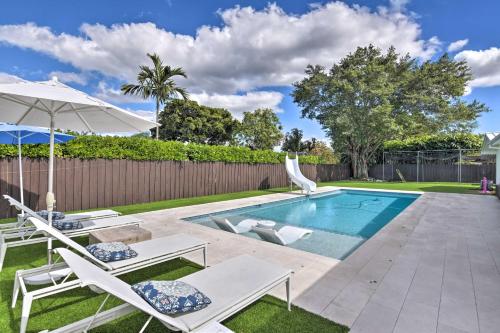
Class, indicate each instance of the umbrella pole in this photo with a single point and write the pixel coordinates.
(50, 195)
(21, 187)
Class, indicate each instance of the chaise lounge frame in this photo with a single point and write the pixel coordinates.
(190, 244)
(222, 274)
(24, 236)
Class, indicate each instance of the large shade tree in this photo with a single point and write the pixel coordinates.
(157, 82)
(370, 97)
(188, 121)
(260, 129)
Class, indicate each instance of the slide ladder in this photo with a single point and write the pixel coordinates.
(296, 176)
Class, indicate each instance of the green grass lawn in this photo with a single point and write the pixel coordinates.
(165, 204)
(445, 187)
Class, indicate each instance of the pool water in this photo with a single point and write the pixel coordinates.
(341, 220)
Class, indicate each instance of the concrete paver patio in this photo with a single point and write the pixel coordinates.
(434, 268)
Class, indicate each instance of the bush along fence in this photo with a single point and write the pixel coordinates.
(81, 184)
(143, 149)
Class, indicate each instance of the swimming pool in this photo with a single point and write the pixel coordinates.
(341, 220)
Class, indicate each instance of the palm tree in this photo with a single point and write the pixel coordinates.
(157, 82)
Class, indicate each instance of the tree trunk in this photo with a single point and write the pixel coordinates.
(359, 165)
(156, 120)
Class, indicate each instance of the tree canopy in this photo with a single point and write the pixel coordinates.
(188, 121)
(260, 129)
(370, 97)
(293, 142)
(324, 152)
(436, 142)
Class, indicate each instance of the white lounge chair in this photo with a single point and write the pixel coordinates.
(231, 285)
(29, 235)
(241, 227)
(285, 236)
(150, 252)
(22, 221)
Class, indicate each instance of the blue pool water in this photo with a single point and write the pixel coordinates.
(341, 220)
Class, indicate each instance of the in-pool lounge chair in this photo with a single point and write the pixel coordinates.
(30, 235)
(231, 286)
(241, 227)
(150, 252)
(285, 236)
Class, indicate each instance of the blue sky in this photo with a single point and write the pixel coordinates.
(240, 54)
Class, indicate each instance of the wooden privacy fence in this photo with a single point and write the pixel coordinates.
(468, 173)
(86, 184)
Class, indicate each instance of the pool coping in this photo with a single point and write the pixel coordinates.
(327, 192)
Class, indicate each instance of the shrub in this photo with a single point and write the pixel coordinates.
(138, 148)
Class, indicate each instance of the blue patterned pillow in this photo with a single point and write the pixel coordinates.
(171, 297)
(55, 215)
(66, 225)
(113, 251)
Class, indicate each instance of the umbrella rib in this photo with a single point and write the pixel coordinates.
(15, 100)
(59, 108)
(83, 119)
(117, 118)
(27, 112)
(47, 109)
(83, 108)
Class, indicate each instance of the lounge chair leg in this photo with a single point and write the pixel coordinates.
(3, 251)
(27, 300)
(15, 292)
(288, 298)
(205, 256)
(146, 324)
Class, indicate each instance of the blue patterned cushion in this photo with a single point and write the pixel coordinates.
(171, 297)
(113, 251)
(66, 225)
(55, 215)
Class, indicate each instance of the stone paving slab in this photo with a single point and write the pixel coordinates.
(434, 268)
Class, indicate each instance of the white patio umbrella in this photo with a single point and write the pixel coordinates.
(53, 104)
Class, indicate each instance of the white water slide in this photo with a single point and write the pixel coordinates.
(296, 176)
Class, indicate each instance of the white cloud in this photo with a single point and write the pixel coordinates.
(251, 49)
(399, 5)
(237, 104)
(457, 45)
(467, 90)
(69, 77)
(9, 78)
(485, 65)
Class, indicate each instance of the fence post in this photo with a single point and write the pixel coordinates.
(460, 165)
(418, 164)
(383, 166)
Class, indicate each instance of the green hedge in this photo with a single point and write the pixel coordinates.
(136, 148)
(436, 142)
